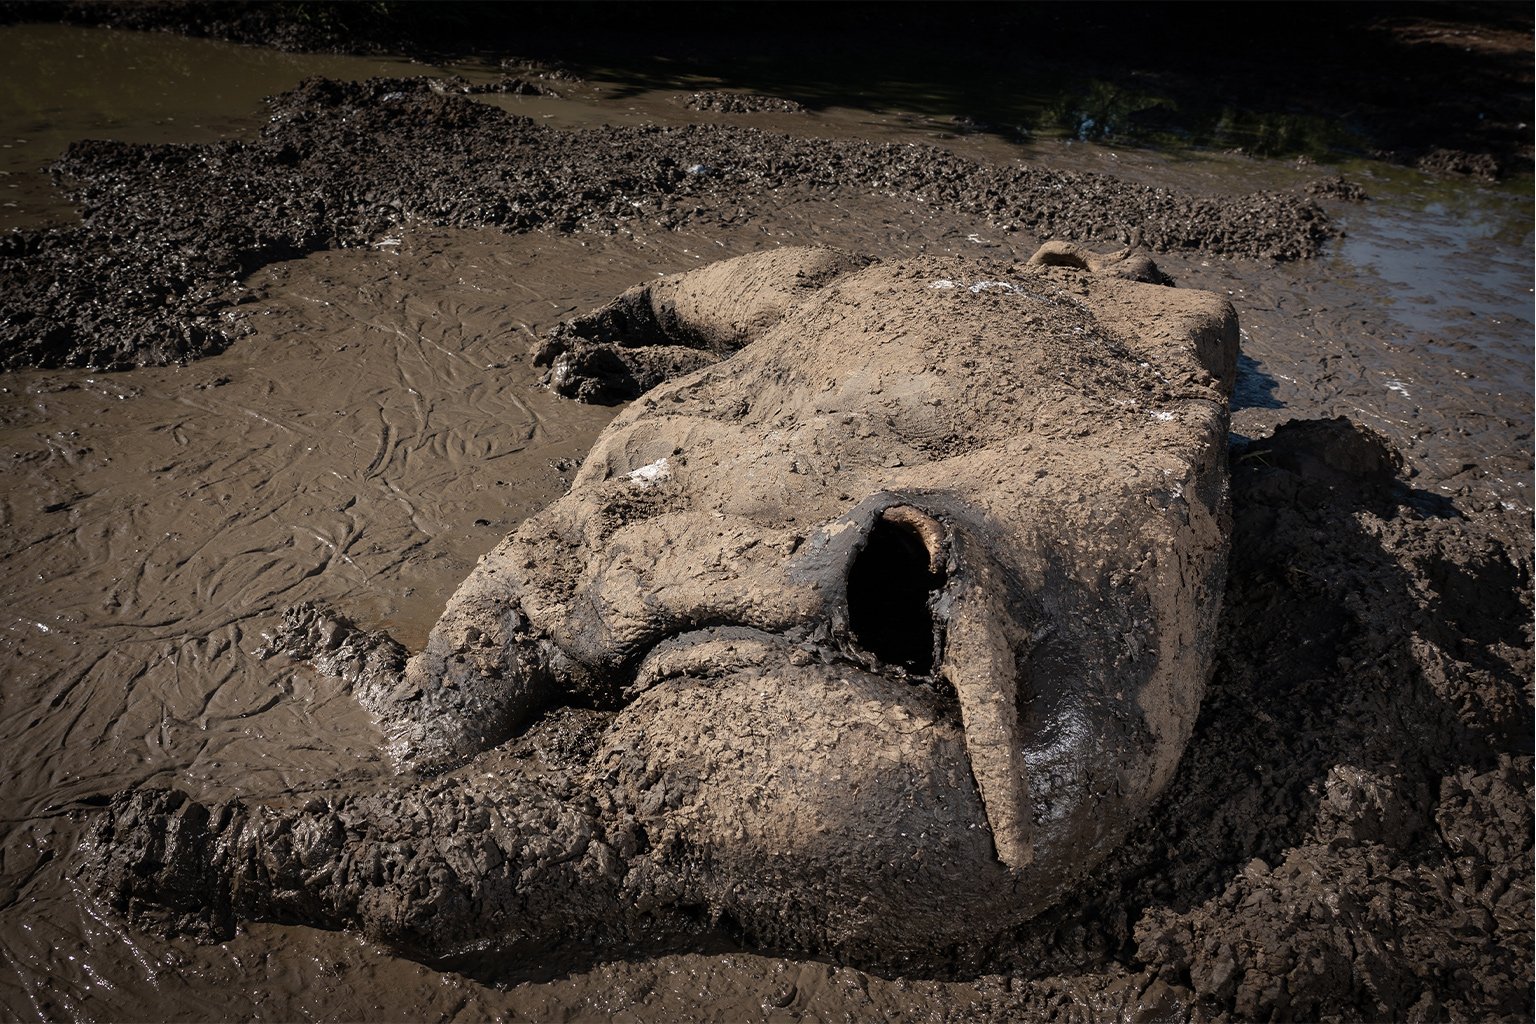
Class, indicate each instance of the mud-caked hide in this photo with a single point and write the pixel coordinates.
(895, 621)
(912, 600)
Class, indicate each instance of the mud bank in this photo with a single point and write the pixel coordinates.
(169, 230)
(1347, 837)
(1445, 86)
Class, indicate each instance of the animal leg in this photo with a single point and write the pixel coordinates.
(680, 323)
(430, 870)
(480, 678)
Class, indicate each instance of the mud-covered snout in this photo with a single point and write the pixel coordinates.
(879, 748)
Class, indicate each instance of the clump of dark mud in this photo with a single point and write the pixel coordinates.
(169, 230)
(550, 70)
(741, 103)
(1338, 187)
(511, 85)
(1458, 163)
(1350, 832)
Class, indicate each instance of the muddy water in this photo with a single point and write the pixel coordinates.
(1418, 323)
(62, 83)
(380, 428)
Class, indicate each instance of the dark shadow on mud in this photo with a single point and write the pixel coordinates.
(1255, 389)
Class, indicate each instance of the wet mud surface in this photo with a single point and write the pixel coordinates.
(1348, 835)
(167, 229)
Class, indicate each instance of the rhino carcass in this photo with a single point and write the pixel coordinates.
(887, 627)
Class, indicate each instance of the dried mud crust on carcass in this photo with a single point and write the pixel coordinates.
(843, 593)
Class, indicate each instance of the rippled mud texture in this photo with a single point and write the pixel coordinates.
(902, 615)
(381, 488)
(1362, 756)
(169, 230)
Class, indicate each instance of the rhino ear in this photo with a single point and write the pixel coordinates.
(1174, 327)
(1165, 326)
(1215, 334)
(1127, 264)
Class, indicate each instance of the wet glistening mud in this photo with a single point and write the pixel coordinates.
(333, 306)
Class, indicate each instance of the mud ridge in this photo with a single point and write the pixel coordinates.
(169, 230)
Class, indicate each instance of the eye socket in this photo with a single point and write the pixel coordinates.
(891, 585)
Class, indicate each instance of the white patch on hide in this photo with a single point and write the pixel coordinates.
(987, 286)
(658, 472)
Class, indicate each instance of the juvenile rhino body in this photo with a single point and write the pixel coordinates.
(891, 623)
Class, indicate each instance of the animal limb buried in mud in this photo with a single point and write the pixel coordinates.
(885, 629)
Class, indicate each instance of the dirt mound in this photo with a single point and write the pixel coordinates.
(170, 229)
(1483, 166)
(1350, 832)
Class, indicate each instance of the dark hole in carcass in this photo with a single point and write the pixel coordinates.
(890, 585)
